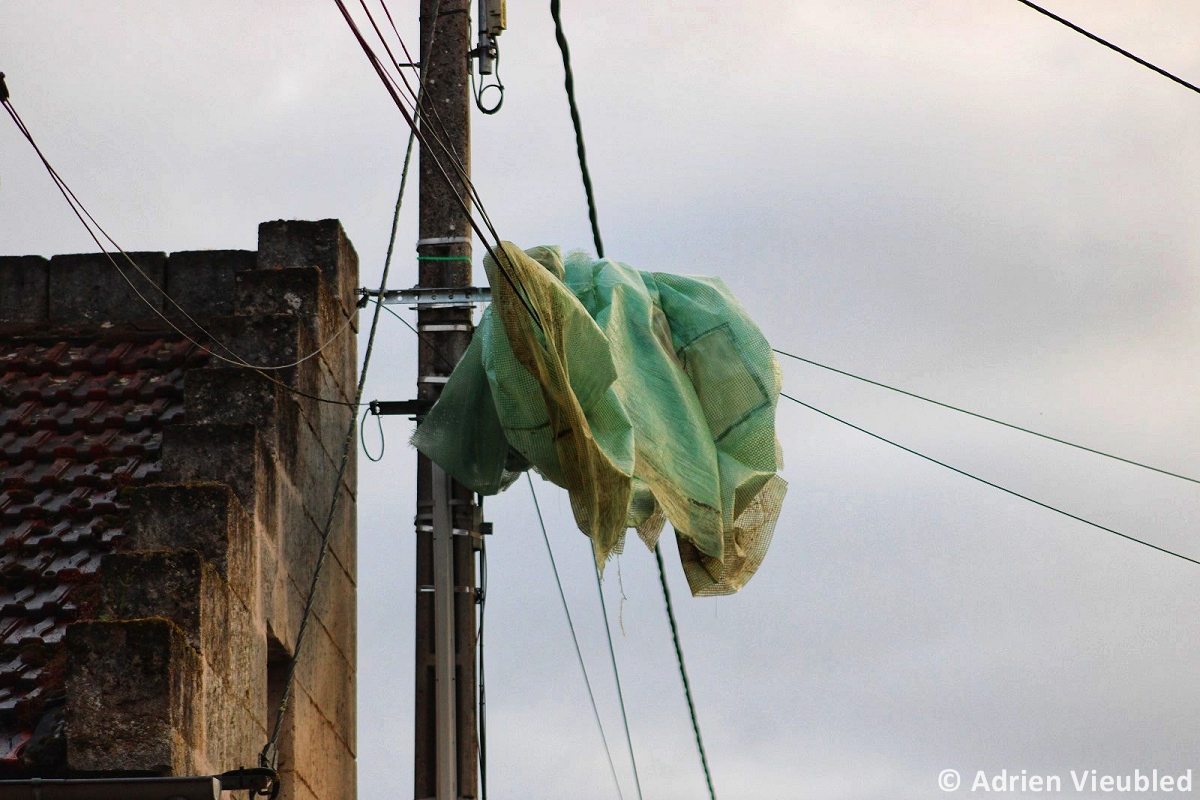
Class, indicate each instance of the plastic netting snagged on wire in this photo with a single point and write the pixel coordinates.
(649, 397)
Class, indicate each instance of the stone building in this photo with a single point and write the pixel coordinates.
(161, 511)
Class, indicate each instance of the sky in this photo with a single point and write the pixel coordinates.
(964, 199)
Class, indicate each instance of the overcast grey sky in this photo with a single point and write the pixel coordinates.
(963, 198)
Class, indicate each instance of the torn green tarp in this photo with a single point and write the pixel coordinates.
(650, 397)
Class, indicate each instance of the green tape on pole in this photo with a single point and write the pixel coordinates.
(443, 258)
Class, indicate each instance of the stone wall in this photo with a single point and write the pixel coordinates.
(176, 667)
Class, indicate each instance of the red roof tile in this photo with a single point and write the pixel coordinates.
(79, 422)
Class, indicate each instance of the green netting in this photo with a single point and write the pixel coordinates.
(649, 397)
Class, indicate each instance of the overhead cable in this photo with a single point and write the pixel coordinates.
(581, 151)
(81, 212)
(445, 358)
(574, 638)
(612, 653)
(269, 754)
(687, 686)
(986, 482)
(987, 418)
(569, 80)
(393, 88)
(1110, 45)
(84, 216)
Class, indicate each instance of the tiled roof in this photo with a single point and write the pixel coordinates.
(79, 422)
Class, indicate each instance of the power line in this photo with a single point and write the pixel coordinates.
(581, 151)
(269, 753)
(986, 482)
(1110, 45)
(575, 639)
(987, 418)
(569, 81)
(81, 212)
(393, 90)
(83, 215)
(445, 358)
(687, 686)
(612, 653)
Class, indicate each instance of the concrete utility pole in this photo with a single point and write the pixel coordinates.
(448, 521)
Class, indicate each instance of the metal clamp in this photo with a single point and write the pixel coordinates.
(444, 240)
(425, 297)
(417, 408)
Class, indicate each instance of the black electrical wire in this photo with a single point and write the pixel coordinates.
(574, 638)
(987, 418)
(362, 439)
(1111, 46)
(411, 119)
(687, 686)
(269, 754)
(445, 358)
(612, 653)
(569, 81)
(986, 482)
(83, 215)
(479, 92)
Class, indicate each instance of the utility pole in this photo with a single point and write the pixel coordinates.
(448, 521)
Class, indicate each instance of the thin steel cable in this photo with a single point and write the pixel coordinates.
(687, 686)
(986, 482)
(389, 84)
(612, 653)
(581, 151)
(81, 211)
(446, 359)
(430, 112)
(574, 638)
(1111, 46)
(987, 418)
(83, 215)
(569, 82)
(269, 753)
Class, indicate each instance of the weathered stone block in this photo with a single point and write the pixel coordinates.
(202, 281)
(336, 592)
(163, 583)
(235, 731)
(322, 758)
(205, 517)
(270, 341)
(328, 678)
(235, 396)
(315, 472)
(294, 786)
(234, 455)
(301, 532)
(281, 607)
(301, 243)
(134, 698)
(87, 289)
(24, 289)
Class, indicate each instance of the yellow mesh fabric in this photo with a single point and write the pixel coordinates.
(649, 397)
